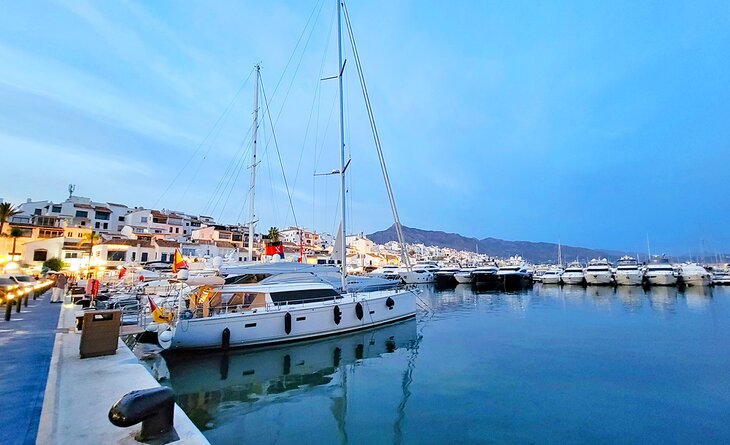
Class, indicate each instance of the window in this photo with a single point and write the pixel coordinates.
(40, 255)
(56, 209)
(188, 252)
(97, 225)
(106, 225)
(115, 255)
(170, 229)
(145, 255)
(104, 216)
(143, 219)
(134, 256)
(301, 296)
(83, 223)
(164, 257)
(121, 219)
(185, 232)
(71, 255)
(119, 228)
(37, 211)
(79, 235)
(82, 214)
(177, 229)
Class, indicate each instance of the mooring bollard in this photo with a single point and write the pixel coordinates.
(8, 308)
(154, 407)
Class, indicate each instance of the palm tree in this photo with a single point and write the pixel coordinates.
(273, 234)
(7, 211)
(90, 238)
(15, 233)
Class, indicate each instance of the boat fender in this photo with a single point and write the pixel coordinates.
(287, 323)
(390, 303)
(225, 338)
(358, 311)
(338, 315)
(164, 339)
(187, 314)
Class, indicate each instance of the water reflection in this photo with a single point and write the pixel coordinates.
(216, 388)
(631, 297)
(663, 299)
(698, 297)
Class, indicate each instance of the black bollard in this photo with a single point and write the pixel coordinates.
(25, 300)
(154, 407)
(36, 294)
(8, 309)
(19, 300)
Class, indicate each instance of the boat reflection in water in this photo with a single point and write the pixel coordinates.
(217, 389)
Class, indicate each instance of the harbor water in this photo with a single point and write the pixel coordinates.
(546, 365)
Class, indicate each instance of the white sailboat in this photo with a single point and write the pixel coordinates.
(250, 315)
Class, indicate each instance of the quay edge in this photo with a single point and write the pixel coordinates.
(79, 393)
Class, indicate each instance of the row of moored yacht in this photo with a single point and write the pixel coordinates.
(629, 272)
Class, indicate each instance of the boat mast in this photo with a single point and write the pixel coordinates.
(340, 69)
(252, 188)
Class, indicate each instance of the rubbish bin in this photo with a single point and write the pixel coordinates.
(100, 333)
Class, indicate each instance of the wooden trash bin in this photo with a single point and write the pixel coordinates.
(100, 333)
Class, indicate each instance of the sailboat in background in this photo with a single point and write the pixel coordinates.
(264, 314)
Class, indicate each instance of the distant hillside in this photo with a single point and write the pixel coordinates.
(531, 251)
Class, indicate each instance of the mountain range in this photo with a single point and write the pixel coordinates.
(537, 252)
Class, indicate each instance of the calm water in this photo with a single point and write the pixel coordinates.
(548, 365)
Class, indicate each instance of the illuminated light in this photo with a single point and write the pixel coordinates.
(11, 296)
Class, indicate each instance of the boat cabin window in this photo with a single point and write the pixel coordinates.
(249, 278)
(303, 296)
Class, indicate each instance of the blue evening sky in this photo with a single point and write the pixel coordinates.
(593, 123)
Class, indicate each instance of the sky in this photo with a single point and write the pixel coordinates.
(597, 124)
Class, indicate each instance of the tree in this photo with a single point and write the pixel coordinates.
(273, 234)
(7, 211)
(90, 238)
(54, 264)
(15, 233)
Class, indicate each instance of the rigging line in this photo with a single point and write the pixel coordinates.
(315, 101)
(229, 168)
(225, 111)
(291, 56)
(233, 186)
(376, 139)
(271, 181)
(236, 165)
(278, 153)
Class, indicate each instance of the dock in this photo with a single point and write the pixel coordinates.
(80, 392)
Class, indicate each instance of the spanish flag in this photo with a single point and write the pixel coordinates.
(178, 263)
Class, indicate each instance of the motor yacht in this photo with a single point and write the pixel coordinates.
(485, 276)
(388, 271)
(692, 274)
(421, 272)
(551, 276)
(445, 276)
(249, 315)
(573, 274)
(598, 272)
(721, 278)
(659, 272)
(464, 276)
(514, 276)
(628, 272)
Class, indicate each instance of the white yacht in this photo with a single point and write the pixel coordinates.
(421, 272)
(388, 271)
(446, 276)
(721, 277)
(248, 315)
(552, 276)
(573, 274)
(659, 272)
(464, 276)
(695, 275)
(628, 272)
(598, 272)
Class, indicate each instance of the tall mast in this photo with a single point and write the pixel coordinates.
(340, 69)
(560, 255)
(251, 214)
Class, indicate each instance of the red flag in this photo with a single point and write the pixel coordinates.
(153, 306)
(122, 271)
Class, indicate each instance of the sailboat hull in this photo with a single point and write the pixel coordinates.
(305, 321)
